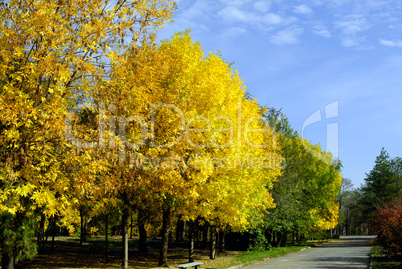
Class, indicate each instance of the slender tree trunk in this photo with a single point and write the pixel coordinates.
(143, 248)
(179, 230)
(279, 240)
(213, 243)
(165, 236)
(131, 226)
(124, 227)
(85, 227)
(82, 227)
(106, 239)
(191, 239)
(205, 235)
(53, 231)
(222, 241)
(197, 233)
(41, 233)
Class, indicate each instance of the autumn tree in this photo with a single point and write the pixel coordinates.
(54, 54)
(187, 110)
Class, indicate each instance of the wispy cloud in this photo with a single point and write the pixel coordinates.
(320, 30)
(262, 6)
(302, 9)
(287, 36)
(233, 14)
(272, 18)
(353, 24)
(235, 2)
(390, 43)
(350, 42)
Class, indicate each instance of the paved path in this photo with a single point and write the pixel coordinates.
(348, 252)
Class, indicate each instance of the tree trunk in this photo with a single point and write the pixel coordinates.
(53, 231)
(179, 230)
(279, 240)
(41, 233)
(82, 227)
(222, 241)
(106, 239)
(143, 248)
(165, 236)
(131, 227)
(124, 227)
(197, 233)
(191, 239)
(85, 227)
(213, 243)
(205, 235)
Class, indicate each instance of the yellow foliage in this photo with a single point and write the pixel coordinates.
(209, 152)
(54, 55)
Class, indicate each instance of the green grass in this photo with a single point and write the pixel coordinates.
(380, 261)
(253, 256)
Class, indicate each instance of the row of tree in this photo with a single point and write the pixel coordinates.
(359, 206)
(92, 125)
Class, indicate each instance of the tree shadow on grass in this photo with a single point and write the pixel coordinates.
(68, 254)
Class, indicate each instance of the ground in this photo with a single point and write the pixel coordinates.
(68, 254)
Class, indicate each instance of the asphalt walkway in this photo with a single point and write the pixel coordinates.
(347, 252)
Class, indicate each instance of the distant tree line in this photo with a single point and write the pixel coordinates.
(375, 207)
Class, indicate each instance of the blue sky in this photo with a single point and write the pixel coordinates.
(302, 56)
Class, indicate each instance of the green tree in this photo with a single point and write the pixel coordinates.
(380, 184)
(305, 193)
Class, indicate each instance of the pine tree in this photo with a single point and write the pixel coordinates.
(380, 186)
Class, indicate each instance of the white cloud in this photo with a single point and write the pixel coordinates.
(353, 25)
(271, 18)
(322, 32)
(287, 36)
(390, 43)
(233, 14)
(234, 2)
(338, 2)
(349, 42)
(198, 10)
(319, 29)
(262, 6)
(302, 9)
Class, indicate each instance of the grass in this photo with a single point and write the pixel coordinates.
(254, 256)
(380, 261)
